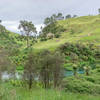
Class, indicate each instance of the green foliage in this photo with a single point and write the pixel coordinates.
(72, 31)
(27, 28)
(68, 16)
(57, 35)
(43, 39)
(99, 10)
(17, 83)
(54, 29)
(82, 55)
(83, 50)
(83, 84)
(51, 68)
(53, 19)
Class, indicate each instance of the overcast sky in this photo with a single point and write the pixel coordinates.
(12, 11)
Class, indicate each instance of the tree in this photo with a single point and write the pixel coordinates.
(58, 61)
(54, 16)
(46, 62)
(2, 28)
(68, 16)
(87, 70)
(47, 21)
(0, 21)
(30, 68)
(53, 28)
(27, 29)
(50, 20)
(75, 70)
(99, 10)
(60, 16)
(51, 69)
(5, 63)
(74, 16)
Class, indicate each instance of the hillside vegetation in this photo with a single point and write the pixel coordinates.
(76, 49)
(84, 29)
(81, 38)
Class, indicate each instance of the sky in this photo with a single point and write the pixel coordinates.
(12, 11)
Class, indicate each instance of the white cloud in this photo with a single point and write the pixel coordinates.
(13, 26)
(38, 26)
(37, 10)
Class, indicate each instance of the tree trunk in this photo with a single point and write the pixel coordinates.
(75, 73)
(55, 80)
(87, 73)
(0, 76)
(27, 42)
(30, 81)
(45, 80)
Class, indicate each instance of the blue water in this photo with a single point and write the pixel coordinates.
(70, 73)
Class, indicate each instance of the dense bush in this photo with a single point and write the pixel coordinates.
(17, 83)
(54, 29)
(83, 85)
(82, 55)
(57, 35)
(43, 39)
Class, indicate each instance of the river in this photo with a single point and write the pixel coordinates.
(7, 76)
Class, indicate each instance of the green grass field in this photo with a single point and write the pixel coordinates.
(8, 92)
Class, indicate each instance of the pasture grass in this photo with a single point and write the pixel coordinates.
(9, 92)
(86, 30)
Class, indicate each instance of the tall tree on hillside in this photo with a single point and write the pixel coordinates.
(0, 21)
(47, 21)
(54, 16)
(74, 16)
(99, 10)
(60, 16)
(2, 28)
(68, 16)
(27, 29)
(53, 19)
(50, 20)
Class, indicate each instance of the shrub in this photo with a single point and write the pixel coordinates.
(57, 35)
(81, 85)
(17, 82)
(43, 39)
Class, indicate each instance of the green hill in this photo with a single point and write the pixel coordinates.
(84, 29)
(81, 30)
(8, 39)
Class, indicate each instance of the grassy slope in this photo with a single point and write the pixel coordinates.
(86, 29)
(8, 39)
